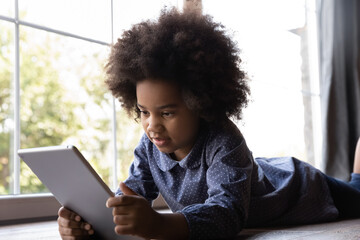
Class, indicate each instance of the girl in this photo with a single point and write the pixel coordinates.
(180, 76)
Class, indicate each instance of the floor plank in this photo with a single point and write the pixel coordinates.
(340, 230)
(31, 231)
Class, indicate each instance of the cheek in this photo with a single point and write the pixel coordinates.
(191, 127)
(143, 124)
(181, 129)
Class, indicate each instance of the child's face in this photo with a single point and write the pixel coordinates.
(167, 121)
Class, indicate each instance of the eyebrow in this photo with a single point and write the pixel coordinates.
(160, 107)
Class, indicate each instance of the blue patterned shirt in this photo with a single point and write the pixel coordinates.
(220, 188)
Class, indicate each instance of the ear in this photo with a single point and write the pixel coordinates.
(126, 190)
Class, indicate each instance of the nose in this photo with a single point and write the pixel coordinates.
(154, 124)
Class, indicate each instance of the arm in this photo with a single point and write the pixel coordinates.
(134, 216)
(224, 213)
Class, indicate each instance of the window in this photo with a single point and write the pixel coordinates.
(278, 43)
(52, 55)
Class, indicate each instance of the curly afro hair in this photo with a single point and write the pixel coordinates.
(188, 49)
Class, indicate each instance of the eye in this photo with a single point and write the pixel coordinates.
(167, 114)
(144, 112)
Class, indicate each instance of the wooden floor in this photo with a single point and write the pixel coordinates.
(341, 230)
(30, 231)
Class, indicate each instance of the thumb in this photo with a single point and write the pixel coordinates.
(126, 190)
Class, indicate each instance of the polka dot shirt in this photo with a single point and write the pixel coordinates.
(220, 188)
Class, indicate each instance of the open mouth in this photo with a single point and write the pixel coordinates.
(160, 142)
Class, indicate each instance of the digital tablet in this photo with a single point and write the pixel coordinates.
(75, 184)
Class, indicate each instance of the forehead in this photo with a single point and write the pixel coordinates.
(150, 91)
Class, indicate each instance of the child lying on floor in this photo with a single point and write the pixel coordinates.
(180, 76)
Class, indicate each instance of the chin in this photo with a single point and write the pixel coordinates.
(164, 150)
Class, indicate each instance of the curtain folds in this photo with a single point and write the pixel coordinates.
(339, 58)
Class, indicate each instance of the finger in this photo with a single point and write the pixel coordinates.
(124, 230)
(63, 222)
(126, 190)
(86, 226)
(68, 214)
(112, 201)
(84, 230)
(75, 232)
(73, 224)
(122, 200)
(122, 210)
(64, 212)
(122, 219)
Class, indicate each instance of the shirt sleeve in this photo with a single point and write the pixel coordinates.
(225, 211)
(140, 179)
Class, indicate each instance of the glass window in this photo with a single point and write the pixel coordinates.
(7, 8)
(87, 18)
(128, 135)
(63, 99)
(127, 13)
(6, 105)
(267, 33)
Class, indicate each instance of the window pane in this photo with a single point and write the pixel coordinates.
(128, 135)
(7, 8)
(87, 18)
(6, 105)
(273, 123)
(257, 15)
(63, 100)
(127, 13)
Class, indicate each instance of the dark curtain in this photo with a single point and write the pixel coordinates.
(339, 44)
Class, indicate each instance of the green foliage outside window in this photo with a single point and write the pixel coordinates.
(6, 73)
(56, 112)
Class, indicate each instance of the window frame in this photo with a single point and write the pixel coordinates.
(28, 208)
(17, 207)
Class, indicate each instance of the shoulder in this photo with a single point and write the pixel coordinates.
(225, 135)
(223, 141)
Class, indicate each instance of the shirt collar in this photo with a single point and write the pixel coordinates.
(166, 163)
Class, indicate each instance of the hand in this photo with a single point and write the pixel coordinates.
(72, 227)
(133, 214)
